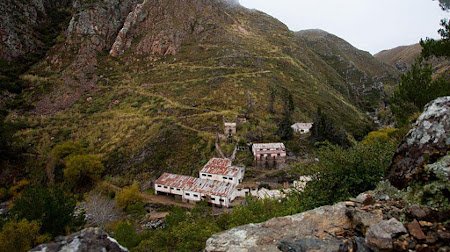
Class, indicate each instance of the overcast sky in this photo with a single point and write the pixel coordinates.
(370, 25)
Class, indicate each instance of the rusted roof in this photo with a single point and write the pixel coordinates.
(220, 166)
(258, 146)
(212, 187)
(204, 186)
(174, 180)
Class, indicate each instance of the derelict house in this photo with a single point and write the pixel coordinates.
(196, 189)
(269, 151)
(302, 128)
(220, 169)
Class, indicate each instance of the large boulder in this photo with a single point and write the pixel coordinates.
(426, 142)
(89, 239)
(312, 229)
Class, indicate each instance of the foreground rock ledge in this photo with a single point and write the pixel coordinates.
(324, 223)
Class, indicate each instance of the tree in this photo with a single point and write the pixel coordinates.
(445, 4)
(20, 236)
(285, 132)
(438, 48)
(323, 129)
(82, 171)
(100, 209)
(128, 196)
(49, 206)
(55, 163)
(415, 90)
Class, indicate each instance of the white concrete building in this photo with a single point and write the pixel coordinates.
(269, 151)
(195, 189)
(302, 128)
(220, 169)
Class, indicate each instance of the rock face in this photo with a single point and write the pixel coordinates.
(428, 141)
(346, 226)
(313, 229)
(90, 239)
(21, 24)
(381, 234)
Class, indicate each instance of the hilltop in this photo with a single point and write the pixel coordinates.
(146, 85)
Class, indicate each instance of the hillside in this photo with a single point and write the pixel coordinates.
(147, 85)
(403, 57)
(364, 78)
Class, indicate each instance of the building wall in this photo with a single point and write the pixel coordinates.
(192, 196)
(273, 155)
(216, 177)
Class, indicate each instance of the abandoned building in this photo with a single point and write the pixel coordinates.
(229, 129)
(220, 169)
(192, 189)
(302, 128)
(269, 151)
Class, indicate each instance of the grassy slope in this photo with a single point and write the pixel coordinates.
(154, 116)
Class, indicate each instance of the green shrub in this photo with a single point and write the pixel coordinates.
(82, 170)
(20, 236)
(126, 235)
(49, 206)
(128, 196)
(343, 173)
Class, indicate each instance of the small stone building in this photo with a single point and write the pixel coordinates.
(302, 128)
(229, 129)
(269, 151)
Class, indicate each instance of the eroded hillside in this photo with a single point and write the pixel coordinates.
(147, 85)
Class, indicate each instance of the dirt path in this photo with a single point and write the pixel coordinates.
(155, 199)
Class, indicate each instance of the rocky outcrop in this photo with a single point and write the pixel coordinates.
(427, 141)
(355, 225)
(92, 29)
(21, 26)
(90, 239)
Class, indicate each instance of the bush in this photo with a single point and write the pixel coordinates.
(20, 236)
(83, 170)
(126, 235)
(342, 173)
(51, 207)
(128, 196)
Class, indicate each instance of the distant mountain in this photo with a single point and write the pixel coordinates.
(403, 57)
(363, 77)
(148, 84)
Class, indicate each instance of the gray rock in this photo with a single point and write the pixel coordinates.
(311, 244)
(87, 240)
(322, 223)
(428, 141)
(380, 236)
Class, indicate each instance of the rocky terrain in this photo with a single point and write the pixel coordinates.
(379, 220)
(89, 239)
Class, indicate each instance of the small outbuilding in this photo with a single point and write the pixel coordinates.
(302, 128)
(229, 129)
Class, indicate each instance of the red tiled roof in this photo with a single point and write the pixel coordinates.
(220, 166)
(205, 186)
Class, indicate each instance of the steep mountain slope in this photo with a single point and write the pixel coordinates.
(403, 57)
(361, 76)
(148, 84)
